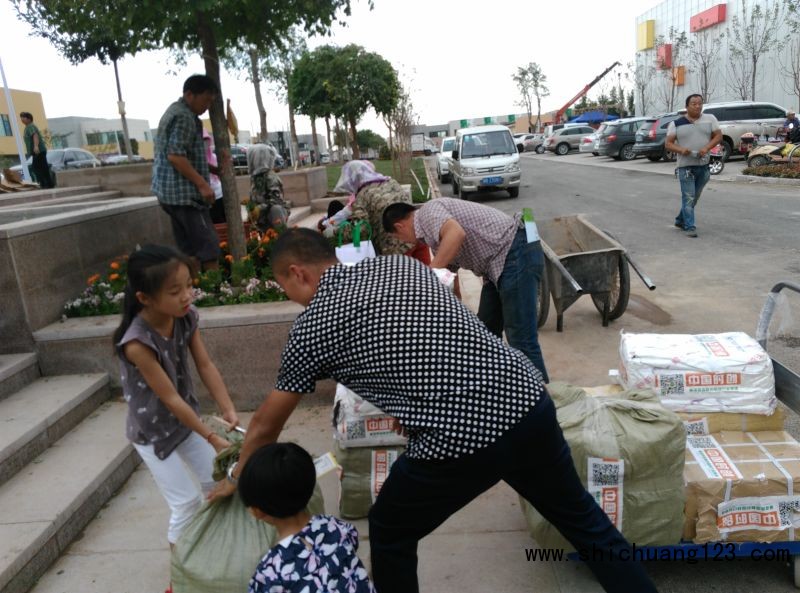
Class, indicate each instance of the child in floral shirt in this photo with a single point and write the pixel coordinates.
(315, 554)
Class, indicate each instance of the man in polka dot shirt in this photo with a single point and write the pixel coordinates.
(475, 410)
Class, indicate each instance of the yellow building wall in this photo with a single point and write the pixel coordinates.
(646, 35)
(29, 101)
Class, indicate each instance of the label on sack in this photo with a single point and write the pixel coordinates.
(696, 426)
(683, 383)
(382, 461)
(770, 513)
(605, 484)
(712, 458)
(325, 464)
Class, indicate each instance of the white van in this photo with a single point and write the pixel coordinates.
(484, 159)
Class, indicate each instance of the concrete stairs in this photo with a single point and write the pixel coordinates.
(51, 197)
(63, 453)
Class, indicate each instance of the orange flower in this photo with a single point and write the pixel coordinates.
(113, 277)
(114, 266)
(229, 258)
(196, 281)
(265, 240)
(92, 279)
(223, 244)
(272, 233)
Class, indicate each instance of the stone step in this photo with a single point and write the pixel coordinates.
(38, 195)
(47, 505)
(321, 204)
(95, 196)
(298, 213)
(17, 371)
(42, 412)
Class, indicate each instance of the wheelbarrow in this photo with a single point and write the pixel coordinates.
(582, 259)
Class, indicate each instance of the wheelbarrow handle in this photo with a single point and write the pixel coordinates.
(550, 254)
(645, 278)
(769, 308)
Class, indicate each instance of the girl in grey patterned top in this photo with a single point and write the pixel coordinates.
(157, 334)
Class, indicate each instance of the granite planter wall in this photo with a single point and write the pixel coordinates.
(46, 254)
(244, 341)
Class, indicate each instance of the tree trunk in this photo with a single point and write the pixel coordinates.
(293, 132)
(753, 80)
(314, 145)
(538, 115)
(356, 149)
(328, 133)
(219, 125)
(256, 78)
(121, 106)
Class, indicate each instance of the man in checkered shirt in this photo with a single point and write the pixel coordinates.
(474, 409)
(490, 244)
(181, 171)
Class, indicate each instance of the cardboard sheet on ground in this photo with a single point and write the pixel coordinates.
(629, 453)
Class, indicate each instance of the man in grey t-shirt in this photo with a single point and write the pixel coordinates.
(691, 137)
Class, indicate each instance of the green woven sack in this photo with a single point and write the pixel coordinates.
(359, 479)
(219, 550)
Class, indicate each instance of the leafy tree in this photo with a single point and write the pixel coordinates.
(739, 75)
(307, 87)
(755, 33)
(532, 84)
(704, 52)
(368, 139)
(641, 75)
(279, 70)
(82, 30)
(358, 80)
(669, 74)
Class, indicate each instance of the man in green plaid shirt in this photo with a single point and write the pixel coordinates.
(181, 171)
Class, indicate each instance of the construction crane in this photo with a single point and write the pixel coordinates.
(584, 90)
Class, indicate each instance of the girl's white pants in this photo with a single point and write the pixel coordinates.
(177, 478)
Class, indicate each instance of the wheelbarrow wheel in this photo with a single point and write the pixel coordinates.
(543, 299)
(796, 571)
(620, 291)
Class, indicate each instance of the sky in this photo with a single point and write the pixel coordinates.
(455, 56)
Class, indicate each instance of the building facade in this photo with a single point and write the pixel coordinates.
(690, 46)
(29, 101)
(102, 137)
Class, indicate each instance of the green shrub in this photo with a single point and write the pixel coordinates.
(784, 171)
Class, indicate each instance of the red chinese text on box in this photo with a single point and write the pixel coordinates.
(713, 379)
(378, 424)
(610, 503)
(749, 519)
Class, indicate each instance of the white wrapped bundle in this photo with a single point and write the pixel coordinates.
(357, 423)
(727, 372)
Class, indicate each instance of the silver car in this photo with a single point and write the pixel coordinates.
(589, 143)
(566, 139)
(443, 159)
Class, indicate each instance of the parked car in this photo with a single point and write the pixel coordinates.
(443, 158)
(485, 158)
(239, 157)
(589, 143)
(738, 117)
(119, 159)
(527, 142)
(548, 130)
(651, 136)
(536, 143)
(618, 137)
(566, 139)
(60, 159)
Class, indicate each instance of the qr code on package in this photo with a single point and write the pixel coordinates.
(356, 430)
(671, 384)
(605, 474)
(787, 510)
(706, 442)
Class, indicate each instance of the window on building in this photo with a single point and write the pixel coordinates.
(5, 125)
(95, 138)
(147, 136)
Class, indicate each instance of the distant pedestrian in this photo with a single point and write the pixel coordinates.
(181, 171)
(270, 210)
(792, 127)
(37, 150)
(691, 137)
(218, 209)
(492, 245)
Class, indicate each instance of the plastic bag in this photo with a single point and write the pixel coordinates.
(360, 249)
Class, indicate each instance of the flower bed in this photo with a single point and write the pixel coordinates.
(248, 280)
(784, 171)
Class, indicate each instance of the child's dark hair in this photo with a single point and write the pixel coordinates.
(278, 480)
(148, 268)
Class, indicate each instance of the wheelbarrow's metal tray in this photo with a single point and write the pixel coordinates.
(582, 259)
